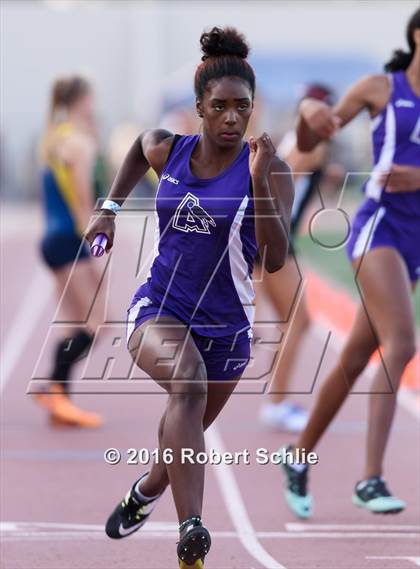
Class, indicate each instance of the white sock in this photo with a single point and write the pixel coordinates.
(298, 467)
(139, 494)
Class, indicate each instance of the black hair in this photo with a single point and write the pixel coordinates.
(225, 52)
(400, 59)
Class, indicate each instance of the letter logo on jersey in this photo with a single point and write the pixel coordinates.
(405, 103)
(170, 179)
(190, 216)
(415, 135)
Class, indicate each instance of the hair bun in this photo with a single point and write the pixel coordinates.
(227, 41)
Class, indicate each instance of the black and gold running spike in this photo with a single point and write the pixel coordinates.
(197, 564)
(193, 545)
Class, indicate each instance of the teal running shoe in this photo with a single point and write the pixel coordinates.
(296, 493)
(373, 495)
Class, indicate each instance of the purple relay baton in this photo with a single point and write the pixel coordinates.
(99, 245)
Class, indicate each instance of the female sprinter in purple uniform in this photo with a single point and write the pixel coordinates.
(385, 254)
(214, 189)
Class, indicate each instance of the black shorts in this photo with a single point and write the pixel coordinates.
(59, 250)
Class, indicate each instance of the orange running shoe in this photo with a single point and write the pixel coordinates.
(62, 412)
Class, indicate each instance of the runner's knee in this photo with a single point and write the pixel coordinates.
(400, 350)
(355, 359)
(189, 391)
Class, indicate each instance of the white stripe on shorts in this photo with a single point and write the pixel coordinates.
(386, 156)
(364, 241)
(134, 312)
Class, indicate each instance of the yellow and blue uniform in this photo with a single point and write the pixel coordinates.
(62, 242)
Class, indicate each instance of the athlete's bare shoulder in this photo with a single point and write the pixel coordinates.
(375, 90)
(156, 145)
(75, 146)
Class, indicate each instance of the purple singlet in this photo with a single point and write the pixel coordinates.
(202, 273)
(392, 219)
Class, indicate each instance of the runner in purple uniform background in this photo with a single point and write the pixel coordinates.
(218, 202)
(385, 254)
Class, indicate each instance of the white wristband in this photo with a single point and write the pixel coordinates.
(112, 206)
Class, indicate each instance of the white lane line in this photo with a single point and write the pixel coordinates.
(415, 560)
(24, 323)
(172, 535)
(59, 536)
(336, 535)
(236, 507)
(405, 398)
(44, 531)
(35, 526)
(56, 531)
(350, 527)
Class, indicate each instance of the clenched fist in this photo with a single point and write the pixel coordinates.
(261, 155)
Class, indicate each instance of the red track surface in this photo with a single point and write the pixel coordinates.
(57, 490)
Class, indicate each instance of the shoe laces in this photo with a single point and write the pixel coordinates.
(376, 488)
(298, 481)
(194, 521)
(134, 509)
